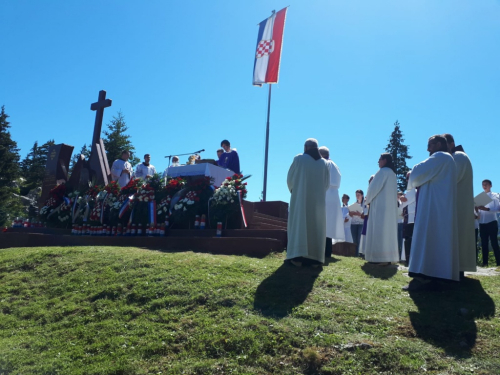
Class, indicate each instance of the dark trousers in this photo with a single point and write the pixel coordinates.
(328, 248)
(488, 233)
(400, 238)
(408, 235)
(356, 230)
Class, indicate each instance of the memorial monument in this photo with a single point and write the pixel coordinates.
(96, 169)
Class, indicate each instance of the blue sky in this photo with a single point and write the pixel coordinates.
(181, 73)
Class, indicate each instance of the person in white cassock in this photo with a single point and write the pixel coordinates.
(434, 247)
(121, 170)
(334, 220)
(308, 180)
(347, 218)
(146, 169)
(382, 231)
(465, 205)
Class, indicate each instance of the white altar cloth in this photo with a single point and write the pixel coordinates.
(204, 169)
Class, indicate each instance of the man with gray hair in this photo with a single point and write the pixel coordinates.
(334, 222)
(308, 180)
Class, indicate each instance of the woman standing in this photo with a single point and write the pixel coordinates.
(355, 212)
(381, 231)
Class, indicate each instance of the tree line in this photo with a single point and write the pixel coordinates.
(21, 179)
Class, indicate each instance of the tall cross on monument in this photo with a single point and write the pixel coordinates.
(98, 161)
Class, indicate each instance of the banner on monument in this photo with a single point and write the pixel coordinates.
(268, 52)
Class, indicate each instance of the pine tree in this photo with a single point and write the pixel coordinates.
(33, 166)
(116, 140)
(399, 152)
(9, 171)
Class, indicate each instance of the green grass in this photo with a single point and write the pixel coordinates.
(108, 310)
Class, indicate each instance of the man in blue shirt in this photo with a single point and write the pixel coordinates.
(229, 159)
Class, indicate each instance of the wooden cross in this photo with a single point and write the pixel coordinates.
(98, 161)
(99, 106)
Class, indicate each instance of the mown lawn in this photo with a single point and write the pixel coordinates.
(93, 310)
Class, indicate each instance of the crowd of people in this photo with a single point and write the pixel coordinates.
(435, 218)
(122, 171)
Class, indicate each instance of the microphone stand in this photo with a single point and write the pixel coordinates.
(189, 153)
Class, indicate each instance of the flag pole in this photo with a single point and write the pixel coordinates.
(264, 191)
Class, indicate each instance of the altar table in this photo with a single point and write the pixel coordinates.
(204, 169)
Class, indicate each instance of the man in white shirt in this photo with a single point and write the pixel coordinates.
(488, 225)
(145, 170)
(121, 170)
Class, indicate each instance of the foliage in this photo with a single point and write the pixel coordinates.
(225, 202)
(192, 200)
(33, 166)
(117, 140)
(10, 205)
(399, 152)
(115, 310)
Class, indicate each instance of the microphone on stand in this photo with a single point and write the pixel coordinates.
(197, 152)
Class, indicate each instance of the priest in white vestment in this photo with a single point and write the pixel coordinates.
(146, 169)
(381, 241)
(308, 180)
(334, 219)
(434, 248)
(121, 170)
(465, 204)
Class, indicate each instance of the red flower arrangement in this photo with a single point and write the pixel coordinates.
(132, 186)
(94, 190)
(113, 188)
(58, 192)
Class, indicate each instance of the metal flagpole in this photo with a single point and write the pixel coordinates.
(264, 192)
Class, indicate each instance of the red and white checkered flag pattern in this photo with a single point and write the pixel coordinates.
(264, 48)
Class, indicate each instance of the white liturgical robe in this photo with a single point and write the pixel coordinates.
(465, 221)
(119, 165)
(334, 220)
(347, 224)
(381, 241)
(307, 180)
(142, 170)
(434, 247)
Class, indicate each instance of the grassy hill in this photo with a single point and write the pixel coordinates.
(92, 310)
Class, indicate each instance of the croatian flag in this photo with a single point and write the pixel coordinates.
(268, 52)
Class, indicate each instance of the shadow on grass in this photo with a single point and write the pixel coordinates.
(446, 319)
(380, 272)
(286, 288)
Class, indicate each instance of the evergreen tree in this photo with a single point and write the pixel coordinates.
(399, 152)
(85, 151)
(9, 171)
(116, 140)
(33, 166)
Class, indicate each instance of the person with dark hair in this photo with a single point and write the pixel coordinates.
(229, 159)
(308, 180)
(434, 248)
(488, 225)
(121, 170)
(220, 151)
(381, 241)
(146, 169)
(465, 205)
(357, 218)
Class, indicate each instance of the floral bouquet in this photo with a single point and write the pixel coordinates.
(225, 201)
(191, 201)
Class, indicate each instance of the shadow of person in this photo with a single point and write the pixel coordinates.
(446, 318)
(331, 260)
(285, 289)
(380, 272)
